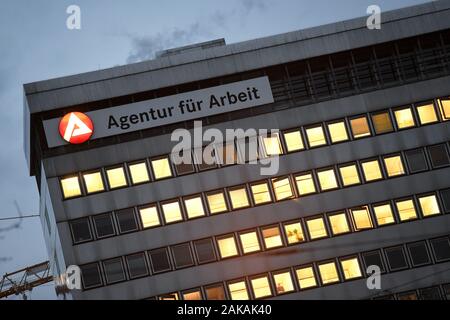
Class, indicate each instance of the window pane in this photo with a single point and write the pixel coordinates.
(349, 175)
(327, 179)
(116, 178)
(429, 205)
(418, 253)
(316, 228)
(373, 258)
(205, 158)
(172, 211)
(445, 196)
(404, 118)
(411, 295)
(383, 214)
(149, 216)
(294, 232)
(283, 282)
(293, 141)
(137, 265)
(161, 168)
(216, 202)
(90, 274)
(396, 258)
(239, 198)
(306, 278)
(444, 107)
(226, 153)
(361, 218)
(339, 223)
(316, 136)
(272, 145)
(215, 293)
(186, 166)
(126, 220)
(282, 188)
(160, 260)
(439, 155)
(360, 127)
(272, 237)
(80, 230)
(430, 294)
(406, 210)
(394, 166)
(338, 131)
(328, 273)
(249, 242)
(382, 122)
(205, 250)
(261, 193)
(70, 187)
(114, 270)
(261, 287)
(238, 290)
(227, 247)
(372, 170)
(194, 295)
(93, 182)
(104, 225)
(182, 256)
(138, 172)
(441, 248)
(169, 296)
(416, 160)
(305, 184)
(351, 268)
(194, 207)
(427, 114)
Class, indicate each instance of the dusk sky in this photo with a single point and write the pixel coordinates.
(36, 45)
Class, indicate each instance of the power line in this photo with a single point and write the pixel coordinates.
(20, 217)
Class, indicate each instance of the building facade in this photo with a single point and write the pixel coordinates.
(363, 180)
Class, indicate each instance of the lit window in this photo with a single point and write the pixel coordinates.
(349, 175)
(429, 205)
(294, 232)
(261, 287)
(316, 136)
(93, 182)
(406, 210)
(383, 214)
(282, 188)
(339, 223)
(351, 268)
(283, 282)
(161, 168)
(382, 122)
(216, 202)
(360, 127)
(194, 207)
(305, 184)
(272, 237)
(227, 247)
(306, 278)
(215, 292)
(261, 193)
(169, 296)
(316, 228)
(116, 178)
(444, 108)
(238, 290)
(249, 242)
(338, 132)
(427, 114)
(371, 170)
(138, 172)
(361, 218)
(238, 197)
(71, 187)
(293, 141)
(172, 211)
(327, 179)
(394, 166)
(192, 295)
(328, 273)
(404, 118)
(226, 153)
(149, 216)
(272, 145)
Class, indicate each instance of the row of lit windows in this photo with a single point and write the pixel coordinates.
(441, 292)
(292, 140)
(322, 273)
(261, 192)
(269, 237)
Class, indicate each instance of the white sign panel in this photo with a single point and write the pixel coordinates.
(171, 109)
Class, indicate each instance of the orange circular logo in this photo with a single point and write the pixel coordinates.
(76, 127)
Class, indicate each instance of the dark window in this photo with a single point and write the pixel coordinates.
(446, 288)
(184, 167)
(445, 196)
(439, 155)
(205, 250)
(104, 225)
(419, 253)
(441, 248)
(430, 294)
(373, 258)
(388, 297)
(416, 160)
(114, 270)
(396, 258)
(160, 260)
(137, 266)
(80, 230)
(182, 255)
(127, 220)
(410, 295)
(90, 275)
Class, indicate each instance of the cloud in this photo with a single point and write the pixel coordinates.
(253, 5)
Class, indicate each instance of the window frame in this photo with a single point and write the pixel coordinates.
(403, 199)
(385, 167)
(314, 126)
(192, 290)
(175, 166)
(380, 167)
(341, 267)
(147, 167)
(231, 282)
(225, 200)
(269, 188)
(424, 104)
(273, 274)
(315, 217)
(314, 273)
(284, 143)
(280, 234)
(100, 275)
(236, 245)
(433, 251)
(444, 144)
(405, 257)
(185, 208)
(425, 195)
(336, 178)
(247, 193)
(368, 121)
(390, 116)
(166, 251)
(269, 282)
(173, 256)
(358, 173)
(127, 182)
(346, 128)
(383, 267)
(280, 178)
(335, 213)
(113, 224)
(124, 271)
(92, 238)
(147, 265)
(158, 214)
(286, 237)
(409, 162)
(167, 157)
(336, 266)
(410, 256)
(180, 206)
(314, 182)
(214, 250)
(383, 203)
(116, 212)
(413, 116)
(241, 244)
(369, 215)
(102, 177)
(80, 186)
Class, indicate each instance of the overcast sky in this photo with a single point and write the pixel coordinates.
(36, 45)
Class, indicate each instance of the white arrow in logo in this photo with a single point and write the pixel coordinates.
(75, 127)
